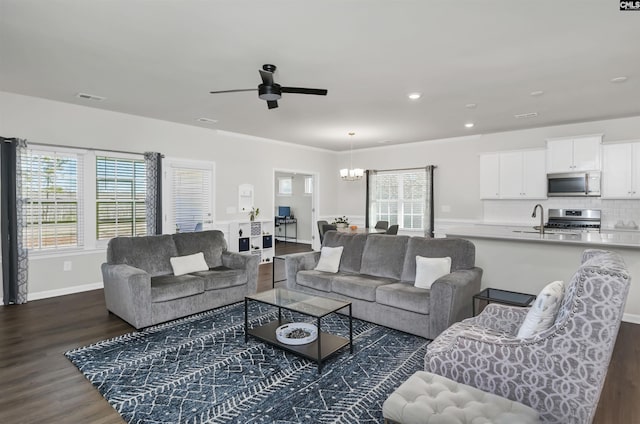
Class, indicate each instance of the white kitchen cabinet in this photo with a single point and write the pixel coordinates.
(490, 176)
(569, 154)
(621, 171)
(513, 175)
(522, 175)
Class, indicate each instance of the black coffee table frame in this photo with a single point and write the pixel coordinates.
(325, 345)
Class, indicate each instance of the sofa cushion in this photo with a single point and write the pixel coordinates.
(190, 263)
(222, 277)
(170, 287)
(353, 248)
(429, 270)
(318, 280)
(151, 253)
(383, 255)
(329, 259)
(462, 253)
(358, 286)
(404, 296)
(211, 243)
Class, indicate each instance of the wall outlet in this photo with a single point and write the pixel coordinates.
(66, 265)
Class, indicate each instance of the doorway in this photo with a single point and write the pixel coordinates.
(294, 207)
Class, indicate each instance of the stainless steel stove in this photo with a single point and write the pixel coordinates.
(574, 220)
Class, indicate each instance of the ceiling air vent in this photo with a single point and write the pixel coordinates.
(86, 96)
(526, 115)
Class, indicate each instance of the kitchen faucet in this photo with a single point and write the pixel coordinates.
(533, 215)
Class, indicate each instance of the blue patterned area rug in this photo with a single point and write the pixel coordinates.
(200, 370)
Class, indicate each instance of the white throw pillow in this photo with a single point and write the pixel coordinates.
(543, 313)
(429, 270)
(190, 263)
(329, 259)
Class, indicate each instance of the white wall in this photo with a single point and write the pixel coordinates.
(238, 159)
(456, 178)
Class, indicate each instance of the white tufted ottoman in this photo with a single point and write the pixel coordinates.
(427, 398)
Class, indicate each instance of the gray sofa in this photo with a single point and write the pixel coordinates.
(139, 285)
(377, 274)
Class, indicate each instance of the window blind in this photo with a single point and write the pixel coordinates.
(191, 190)
(398, 197)
(120, 197)
(52, 184)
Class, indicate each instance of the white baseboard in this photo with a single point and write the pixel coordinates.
(67, 290)
(632, 318)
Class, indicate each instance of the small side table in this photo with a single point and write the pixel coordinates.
(273, 276)
(504, 297)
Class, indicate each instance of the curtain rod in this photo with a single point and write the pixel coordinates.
(403, 169)
(91, 149)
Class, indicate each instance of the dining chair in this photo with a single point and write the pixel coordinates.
(325, 228)
(382, 225)
(393, 230)
(320, 229)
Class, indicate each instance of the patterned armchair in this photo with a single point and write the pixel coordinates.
(558, 372)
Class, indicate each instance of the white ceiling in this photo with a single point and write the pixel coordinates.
(161, 58)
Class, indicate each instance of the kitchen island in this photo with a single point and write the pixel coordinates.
(518, 258)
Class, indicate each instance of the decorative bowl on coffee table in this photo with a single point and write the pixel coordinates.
(296, 333)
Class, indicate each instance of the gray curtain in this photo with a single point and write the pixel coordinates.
(428, 199)
(153, 198)
(15, 261)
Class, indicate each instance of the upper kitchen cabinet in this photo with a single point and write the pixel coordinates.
(513, 175)
(569, 154)
(621, 171)
(490, 176)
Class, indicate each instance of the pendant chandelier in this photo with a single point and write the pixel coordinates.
(351, 173)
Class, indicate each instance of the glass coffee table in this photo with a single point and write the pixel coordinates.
(323, 346)
(504, 297)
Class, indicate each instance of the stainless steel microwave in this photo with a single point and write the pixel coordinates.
(573, 184)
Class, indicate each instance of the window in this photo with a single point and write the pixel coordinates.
(285, 186)
(308, 185)
(120, 197)
(188, 199)
(52, 183)
(398, 197)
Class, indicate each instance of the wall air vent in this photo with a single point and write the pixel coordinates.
(86, 96)
(526, 115)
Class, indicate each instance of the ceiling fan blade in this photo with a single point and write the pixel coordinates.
(233, 91)
(267, 77)
(272, 104)
(300, 90)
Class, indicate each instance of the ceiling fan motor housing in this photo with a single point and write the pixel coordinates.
(269, 92)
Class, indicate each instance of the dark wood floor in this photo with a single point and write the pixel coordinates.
(39, 385)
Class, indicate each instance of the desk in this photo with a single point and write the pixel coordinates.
(285, 222)
(504, 297)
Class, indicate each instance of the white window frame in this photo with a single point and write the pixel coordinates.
(400, 201)
(308, 185)
(285, 186)
(83, 238)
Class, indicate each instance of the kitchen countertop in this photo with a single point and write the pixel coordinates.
(529, 234)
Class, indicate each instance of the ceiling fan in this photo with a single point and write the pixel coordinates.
(270, 91)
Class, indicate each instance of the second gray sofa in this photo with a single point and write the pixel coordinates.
(377, 274)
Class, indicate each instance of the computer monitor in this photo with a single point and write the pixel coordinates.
(284, 211)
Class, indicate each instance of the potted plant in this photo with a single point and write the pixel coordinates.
(254, 213)
(341, 222)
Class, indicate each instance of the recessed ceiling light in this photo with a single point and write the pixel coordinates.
(526, 115)
(415, 96)
(470, 105)
(86, 96)
(207, 120)
(469, 124)
(619, 79)
(537, 93)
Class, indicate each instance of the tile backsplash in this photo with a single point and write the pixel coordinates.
(519, 211)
